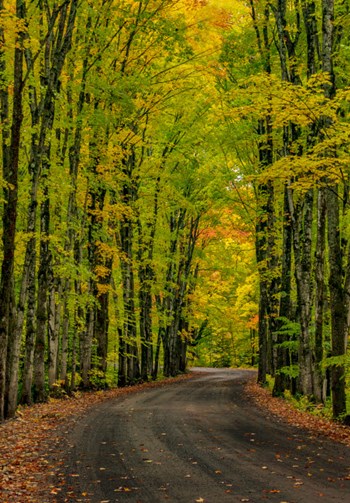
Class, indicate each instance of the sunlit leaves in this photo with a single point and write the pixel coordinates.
(226, 294)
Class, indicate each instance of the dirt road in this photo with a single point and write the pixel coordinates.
(201, 440)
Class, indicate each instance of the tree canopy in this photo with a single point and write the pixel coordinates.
(175, 190)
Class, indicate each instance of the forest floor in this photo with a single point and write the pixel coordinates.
(33, 447)
(302, 419)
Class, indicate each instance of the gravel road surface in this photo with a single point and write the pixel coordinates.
(201, 440)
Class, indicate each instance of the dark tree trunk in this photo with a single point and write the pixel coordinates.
(101, 330)
(28, 365)
(319, 385)
(157, 351)
(145, 301)
(263, 322)
(86, 333)
(65, 336)
(337, 288)
(176, 224)
(176, 302)
(9, 218)
(265, 261)
(102, 316)
(13, 357)
(56, 50)
(54, 322)
(146, 279)
(129, 327)
(129, 367)
(285, 310)
(338, 304)
(265, 220)
(302, 216)
(44, 273)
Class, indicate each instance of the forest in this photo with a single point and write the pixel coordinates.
(175, 191)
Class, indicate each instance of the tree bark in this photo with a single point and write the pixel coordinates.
(176, 224)
(44, 272)
(266, 267)
(285, 309)
(9, 219)
(338, 305)
(146, 279)
(65, 336)
(302, 217)
(337, 288)
(54, 318)
(319, 385)
(265, 219)
(129, 370)
(85, 339)
(57, 46)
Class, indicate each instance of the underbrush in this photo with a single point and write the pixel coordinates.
(306, 404)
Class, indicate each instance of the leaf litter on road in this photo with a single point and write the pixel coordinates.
(32, 446)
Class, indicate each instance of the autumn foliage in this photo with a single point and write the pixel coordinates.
(175, 188)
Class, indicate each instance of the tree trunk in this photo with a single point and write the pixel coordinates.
(264, 251)
(157, 351)
(182, 275)
(13, 356)
(9, 218)
(319, 385)
(145, 301)
(44, 274)
(65, 335)
(302, 217)
(128, 349)
(102, 317)
(28, 365)
(42, 115)
(338, 303)
(337, 289)
(265, 209)
(86, 337)
(53, 331)
(146, 279)
(168, 306)
(282, 355)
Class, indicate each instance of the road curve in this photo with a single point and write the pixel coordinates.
(200, 440)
